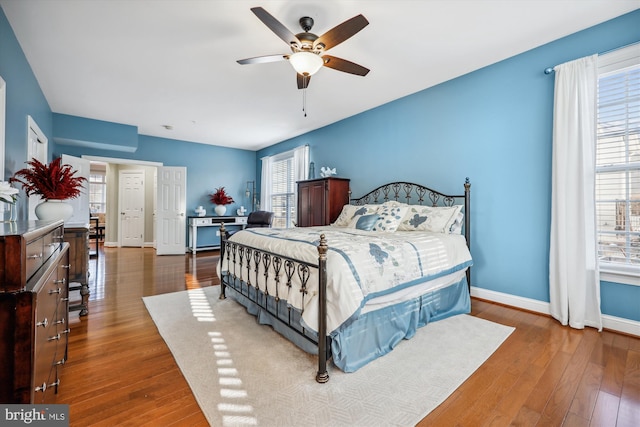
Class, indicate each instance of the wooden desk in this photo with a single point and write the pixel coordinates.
(210, 221)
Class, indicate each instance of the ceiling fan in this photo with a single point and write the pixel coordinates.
(308, 50)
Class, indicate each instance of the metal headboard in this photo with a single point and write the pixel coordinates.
(416, 194)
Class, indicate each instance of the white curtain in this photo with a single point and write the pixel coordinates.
(573, 264)
(266, 184)
(300, 157)
(301, 163)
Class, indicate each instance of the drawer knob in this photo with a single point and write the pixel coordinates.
(43, 323)
(59, 322)
(54, 291)
(59, 362)
(54, 338)
(66, 266)
(44, 386)
(63, 280)
(35, 256)
(66, 331)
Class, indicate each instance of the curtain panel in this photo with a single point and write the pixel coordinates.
(574, 278)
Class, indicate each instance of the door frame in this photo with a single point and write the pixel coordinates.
(112, 221)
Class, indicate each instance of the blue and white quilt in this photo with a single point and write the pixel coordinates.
(361, 265)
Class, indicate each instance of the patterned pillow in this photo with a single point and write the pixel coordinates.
(427, 218)
(351, 211)
(390, 217)
(364, 222)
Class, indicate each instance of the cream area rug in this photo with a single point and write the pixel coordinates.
(246, 374)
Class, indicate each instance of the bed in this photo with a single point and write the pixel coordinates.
(395, 260)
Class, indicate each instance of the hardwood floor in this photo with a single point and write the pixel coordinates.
(120, 372)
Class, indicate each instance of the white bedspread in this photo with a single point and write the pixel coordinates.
(361, 265)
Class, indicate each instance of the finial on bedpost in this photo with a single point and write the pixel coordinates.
(322, 376)
(223, 239)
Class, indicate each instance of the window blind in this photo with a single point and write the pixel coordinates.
(618, 163)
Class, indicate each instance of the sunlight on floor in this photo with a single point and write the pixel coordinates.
(233, 410)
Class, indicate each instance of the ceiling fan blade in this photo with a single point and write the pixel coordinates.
(342, 32)
(275, 26)
(344, 65)
(263, 59)
(303, 81)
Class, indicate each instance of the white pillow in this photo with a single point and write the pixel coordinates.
(427, 218)
(351, 211)
(390, 217)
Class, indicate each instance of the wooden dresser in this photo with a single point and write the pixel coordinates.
(320, 201)
(34, 310)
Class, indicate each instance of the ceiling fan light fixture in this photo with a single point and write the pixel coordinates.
(306, 63)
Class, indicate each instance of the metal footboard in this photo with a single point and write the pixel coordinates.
(244, 267)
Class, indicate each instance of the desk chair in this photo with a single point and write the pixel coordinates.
(257, 219)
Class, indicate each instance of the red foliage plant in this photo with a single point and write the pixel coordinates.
(51, 182)
(220, 197)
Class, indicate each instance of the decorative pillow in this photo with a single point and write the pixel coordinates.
(427, 218)
(456, 227)
(351, 211)
(390, 217)
(364, 222)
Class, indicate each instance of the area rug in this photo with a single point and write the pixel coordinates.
(245, 374)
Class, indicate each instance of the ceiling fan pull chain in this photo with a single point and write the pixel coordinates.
(304, 101)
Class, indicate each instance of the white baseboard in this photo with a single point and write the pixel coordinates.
(613, 323)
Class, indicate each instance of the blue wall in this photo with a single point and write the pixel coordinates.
(24, 97)
(208, 166)
(495, 126)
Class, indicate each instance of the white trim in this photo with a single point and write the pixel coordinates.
(121, 161)
(613, 323)
(614, 276)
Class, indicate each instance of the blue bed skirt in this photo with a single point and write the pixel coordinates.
(367, 337)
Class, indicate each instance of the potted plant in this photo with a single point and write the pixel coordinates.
(220, 198)
(54, 183)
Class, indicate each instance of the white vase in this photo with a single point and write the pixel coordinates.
(51, 210)
(220, 210)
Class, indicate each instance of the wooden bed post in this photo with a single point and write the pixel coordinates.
(322, 376)
(223, 240)
(467, 223)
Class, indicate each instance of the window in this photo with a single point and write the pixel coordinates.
(279, 176)
(97, 192)
(618, 162)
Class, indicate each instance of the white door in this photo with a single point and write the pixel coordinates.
(37, 148)
(80, 204)
(131, 208)
(171, 210)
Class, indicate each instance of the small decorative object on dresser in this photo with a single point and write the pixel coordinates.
(220, 198)
(200, 211)
(8, 196)
(55, 183)
(326, 172)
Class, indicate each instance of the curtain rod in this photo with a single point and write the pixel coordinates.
(549, 70)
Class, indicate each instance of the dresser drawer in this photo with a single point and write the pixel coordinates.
(35, 253)
(50, 243)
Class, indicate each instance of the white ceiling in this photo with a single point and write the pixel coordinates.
(151, 63)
